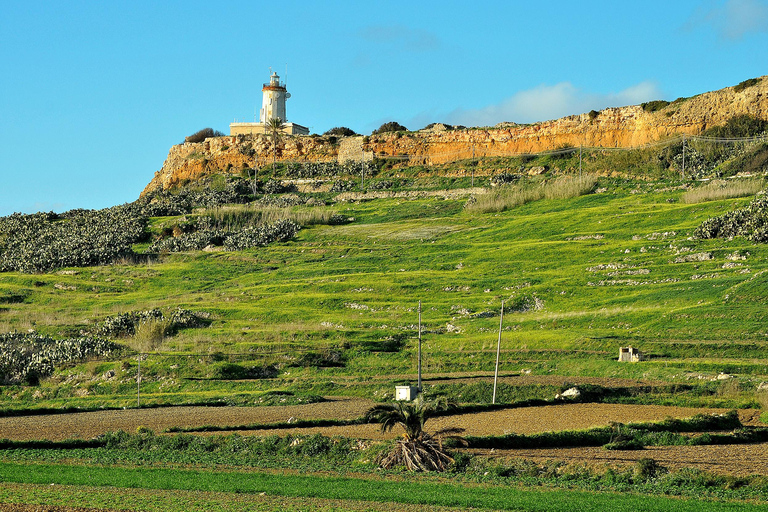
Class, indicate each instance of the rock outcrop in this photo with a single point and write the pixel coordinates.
(613, 127)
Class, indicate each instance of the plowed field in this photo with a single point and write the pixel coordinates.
(732, 459)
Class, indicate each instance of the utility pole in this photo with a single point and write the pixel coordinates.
(683, 156)
(138, 385)
(579, 160)
(362, 179)
(419, 384)
(498, 353)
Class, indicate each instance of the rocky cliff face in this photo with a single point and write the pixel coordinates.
(612, 127)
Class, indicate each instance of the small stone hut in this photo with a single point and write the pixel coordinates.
(630, 355)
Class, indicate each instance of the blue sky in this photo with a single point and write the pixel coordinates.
(94, 93)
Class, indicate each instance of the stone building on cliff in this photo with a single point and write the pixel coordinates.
(274, 95)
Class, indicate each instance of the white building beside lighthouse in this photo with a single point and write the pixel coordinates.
(273, 99)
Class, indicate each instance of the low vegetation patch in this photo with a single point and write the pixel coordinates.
(506, 197)
(717, 190)
(29, 357)
(750, 222)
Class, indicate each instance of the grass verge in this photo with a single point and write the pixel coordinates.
(344, 488)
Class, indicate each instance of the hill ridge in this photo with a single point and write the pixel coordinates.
(626, 127)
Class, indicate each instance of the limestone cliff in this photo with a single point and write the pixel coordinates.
(613, 127)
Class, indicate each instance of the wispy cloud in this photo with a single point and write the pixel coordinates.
(733, 19)
(551, 102)
(401, 38)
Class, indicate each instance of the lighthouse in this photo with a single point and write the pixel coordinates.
(273, 96)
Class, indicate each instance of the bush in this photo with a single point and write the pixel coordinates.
(189, 241)
(275, 187)
(343, 186)
(746, 84)
(126, 324)
(391, 126)
(646, 469)
(45, 241)
(380, 185)
(201, 135)
(340, 131)
(653, 106)
(505, 178)
(28, 357)
(280, 231)
(233, 371)
(751, 222)
(743, 125)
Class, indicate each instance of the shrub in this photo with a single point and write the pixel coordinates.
(201, 135)
(28, 357)
(189, 241)
(751, 222)
(126, 324)
(150, 334)
(45, 241)
(233, 371)
(275, 187)
(391, 126)
(743, 125)
(646, 469)
(754, 161)
(380, 185)
(340, 131)
(343, 186)
(280, 231)
(653, 106)
(746, 84)
(328, 358)
(505, 178)
(593, 114)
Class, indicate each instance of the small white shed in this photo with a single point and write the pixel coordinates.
(406, 393)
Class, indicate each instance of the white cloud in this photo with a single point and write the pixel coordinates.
(551, 102)
(734, 19)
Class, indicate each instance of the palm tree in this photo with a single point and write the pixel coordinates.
(275, 126)
(418, 450)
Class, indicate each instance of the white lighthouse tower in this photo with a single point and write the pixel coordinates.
(274, 95)
(273, 99)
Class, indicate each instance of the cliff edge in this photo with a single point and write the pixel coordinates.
(612, 127)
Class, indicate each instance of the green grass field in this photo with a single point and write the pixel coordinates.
(94, 483)
(580, 277)
(335, 312)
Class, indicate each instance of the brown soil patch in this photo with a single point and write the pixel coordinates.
(87, 425)
(731, 459)
(737, 460)
(525, 420)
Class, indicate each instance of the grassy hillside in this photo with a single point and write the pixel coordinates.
(334, 310)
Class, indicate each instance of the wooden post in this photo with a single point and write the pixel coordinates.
(498, 353)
